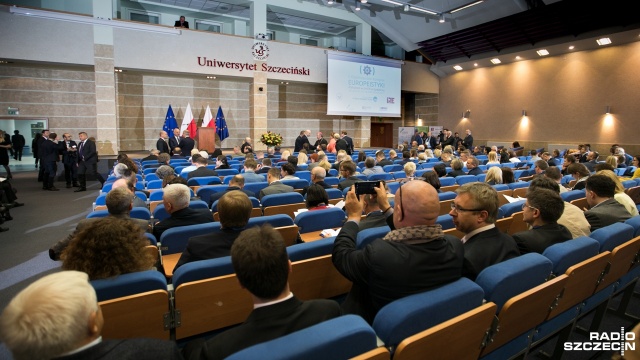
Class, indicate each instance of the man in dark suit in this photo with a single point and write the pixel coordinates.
(317, 177)
(468, 140)
(428, 257)
(41, 140)
(541, 210)
(186, 144)
(161, 145)
(262, 266)
(236, 183)
(375, 216)
(341, 144)
(474, 213)
(153, 155)
(321, 140)
(50, 156)
(472, 166)
(69, 160)
(18, 142)
(119, 204)
(234, 209)
(381, 160)
(174, 142)
(430, 141)
(266, 165)
(349, 140)
(348, 171)
(176, 202)
(201, 169)
(182, 23)
(604, 209)
(87, 160)
(301, 140)
(592, 160)
(275, 186)
(66, 304)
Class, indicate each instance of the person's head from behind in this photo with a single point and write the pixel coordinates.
(508, 176)
(164, 171)
(119, 201)
(578, 170)
(493, 156)
(273, 175)
(410, 169)
(237, 180)
(544, 182)
(540, 166)
(250, 164)
(494, 175)
(440, 169)
(432, 178)
(234, 209)
(599, 188)
(542, 206)
(476, 205)
(119, 169)
(287, 169)
(260, 260)
(200, 161)
(611, 175)
(369, 163)
(176, 197)
(456, 165)
(316, 195)
(553, 173)
(347, 168)
(415, 203)
(164, 158)
(54, 315)
(107, 247)
(318, 174)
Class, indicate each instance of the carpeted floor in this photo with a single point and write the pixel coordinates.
(48, 216)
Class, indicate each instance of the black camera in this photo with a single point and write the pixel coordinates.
(366, 187)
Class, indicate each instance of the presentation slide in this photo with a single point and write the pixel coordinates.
(363, 85)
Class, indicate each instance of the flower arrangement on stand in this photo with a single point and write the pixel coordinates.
(271, 139)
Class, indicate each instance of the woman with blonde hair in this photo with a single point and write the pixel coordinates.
(494, 176)
(437, 153)
(612, 160)
(410, 170)
(493, 158)
(620, 195)
(285, 155)
(302, 158)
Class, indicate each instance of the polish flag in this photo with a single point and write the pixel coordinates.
(188, 123)
(208, 119)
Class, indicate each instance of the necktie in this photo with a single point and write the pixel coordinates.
(80, 150)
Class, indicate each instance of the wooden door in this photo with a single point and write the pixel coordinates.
(381, 135)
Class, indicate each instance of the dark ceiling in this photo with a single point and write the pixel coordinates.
(567, 18)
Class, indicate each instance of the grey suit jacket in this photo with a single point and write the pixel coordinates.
(275, 187)
(139, 349)
(606, 213)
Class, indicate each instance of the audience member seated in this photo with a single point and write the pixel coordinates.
(266, 165)
(456, 169)
(287, 171)
(131, 188)
(432, 179)
(494, 176)
(592, 161)
(620, 195)
(317, 198)
(375, 217)
(234, 209)
(446, 158)
(58, 316)
(249, 174)
(347, 171)
(285, 156)
(163, 171)
(371, 167)
(604, 209)
(262, 266)
(440, 170)
(393, 155)
(119, 169)
(539, 167)
(201, 169)
(108, 247)
(636, 163)
(236, 183)
(275, 186)
(505, 157)
(153, 155)
(474, 213)
(381, 160)
(176, 199)
(547, 157)
(493, 158)
(119, 204)
(409, 171)
(568, 160)
(472, 166)
(415, 256)
(222, 162)
(572, 216)
(508, 176)
(124, 159)
(541, 211)
(579, 173)
(317, 177)
(553, 173)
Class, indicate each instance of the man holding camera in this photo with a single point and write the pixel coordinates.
(428, 257)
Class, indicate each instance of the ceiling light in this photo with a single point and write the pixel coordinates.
(603, 41)
(607, 110)
(393, 2)
(441, 18)
(458, 67)
(423, 10)
(496, 61)
(117, 70)
(330, 2)
(465, 6)
(524, 113)
(571, 47)
(211, 77)
(475, 64)
(364, 1)
(543, 52)
(406, 7)
(518, 58)
(357, 5)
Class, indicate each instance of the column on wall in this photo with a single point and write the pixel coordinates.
(362, 129)
(363, 39)
(258, 92)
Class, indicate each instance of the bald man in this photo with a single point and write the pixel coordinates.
(413, 257)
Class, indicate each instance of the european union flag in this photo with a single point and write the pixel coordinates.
(170, 122)
(221, 125)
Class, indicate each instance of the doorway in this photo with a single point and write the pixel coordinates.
(381, 135)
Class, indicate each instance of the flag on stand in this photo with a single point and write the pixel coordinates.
(208, 119)
(169, 122)
(188, 123)
(221, 125)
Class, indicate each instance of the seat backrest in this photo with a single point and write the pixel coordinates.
(392, 168)
(412, 314)
(129, 284)
(463, 179)
(518, 185)
(311, 249)
(140, 213)
(446, 221)
(281, 199)
(622, 259)
(152, 239)
(385, 177)
(198, 204)
(448, 195)
(334, 193)
(154, 184)
(275, 220)
(321, 219)
(566, 254)
(366, 236)
(174, 240)
(612, 235)
(509, 278)
(107, 187)
(256, 186)
(340, 338)
(156, 195)
(331, 180)
(204, 180)
(101, 199)
(200, 270)
(205, 192)
(296, 184)
(511, 208)
(447, 181)
(571, 195)
(635, 223)
(160, 213)
(304, 175)
(98, 214)
(627, 184)
(393, 187)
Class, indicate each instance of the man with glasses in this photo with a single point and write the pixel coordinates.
(413, 257)
(541, 210)
(347, 171)
(474, 212)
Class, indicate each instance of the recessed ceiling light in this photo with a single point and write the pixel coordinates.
(211, 77)
(475, 64)
(571, 47)
(117, 70)
(518, 58)
(603, 41)
(496, 61)
(364, 1)
(458, 67)
(543, 52)
(330, 2)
